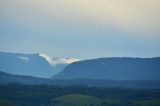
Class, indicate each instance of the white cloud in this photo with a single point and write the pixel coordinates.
(65, 60)
(23, 58)
(48, 58)
(58, 60)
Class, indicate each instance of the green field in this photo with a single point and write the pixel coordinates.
(84, 100)
(76, 100)
(43, 95)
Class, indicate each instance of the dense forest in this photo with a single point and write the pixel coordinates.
(45, 95)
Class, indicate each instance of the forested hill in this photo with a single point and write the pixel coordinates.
(113, 69)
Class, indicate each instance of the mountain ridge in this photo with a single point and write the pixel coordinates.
(113, 68)
(37, 64)
(6, 78)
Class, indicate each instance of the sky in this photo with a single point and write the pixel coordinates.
(81, 28)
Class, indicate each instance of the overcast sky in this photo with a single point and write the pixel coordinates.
(81, 28)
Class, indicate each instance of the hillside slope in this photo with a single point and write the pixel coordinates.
(37, 65)
(6, 78)
(113, 69)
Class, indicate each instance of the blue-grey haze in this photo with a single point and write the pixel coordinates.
(68, 29)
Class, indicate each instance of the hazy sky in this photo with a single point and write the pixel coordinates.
(81, 28)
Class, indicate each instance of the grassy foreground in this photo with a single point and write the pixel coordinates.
(44, 95)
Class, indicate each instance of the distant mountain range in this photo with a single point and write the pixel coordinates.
(38, 65)
(113, 69)
(103, 72)
(6, 78)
